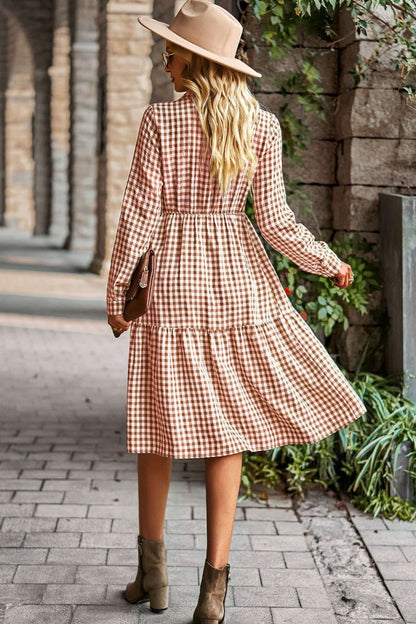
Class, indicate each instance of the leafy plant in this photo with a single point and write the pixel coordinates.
(257, 468)
(390, 421)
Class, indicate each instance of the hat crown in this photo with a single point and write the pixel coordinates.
(209, 26)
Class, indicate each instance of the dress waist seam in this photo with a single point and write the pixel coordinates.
(204, 213)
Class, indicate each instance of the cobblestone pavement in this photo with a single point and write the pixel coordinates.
(68, 525)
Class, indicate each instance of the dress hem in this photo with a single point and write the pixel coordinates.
(294, 441)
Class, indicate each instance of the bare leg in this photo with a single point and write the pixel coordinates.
(223, 476)
(154, 473)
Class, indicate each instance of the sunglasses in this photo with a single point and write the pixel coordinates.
(166, 58)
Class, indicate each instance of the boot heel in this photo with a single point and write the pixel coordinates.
(159, 599)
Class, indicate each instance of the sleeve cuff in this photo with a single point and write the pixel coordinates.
(333, 264)
(115, 307)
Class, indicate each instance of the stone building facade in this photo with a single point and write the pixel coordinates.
(75, 77)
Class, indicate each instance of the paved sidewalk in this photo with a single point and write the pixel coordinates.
(342, 542)
(392, 546)
(68, 497)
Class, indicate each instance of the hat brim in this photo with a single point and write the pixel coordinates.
(163, 30)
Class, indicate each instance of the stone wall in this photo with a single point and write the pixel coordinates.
(365, 146)
(376, 133)
(317, 175)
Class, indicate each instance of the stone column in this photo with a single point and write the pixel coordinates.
(42, 151)
(19, 117)
(398, 259)
(96, 262)
(83, 166)
(59, 73)
(3, 86)
(128, 90)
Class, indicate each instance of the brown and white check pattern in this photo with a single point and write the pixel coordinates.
(221, 362)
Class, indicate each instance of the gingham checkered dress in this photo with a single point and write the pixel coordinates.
(221, 362)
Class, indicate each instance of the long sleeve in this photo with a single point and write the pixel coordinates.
(277, 222)
(139, 212)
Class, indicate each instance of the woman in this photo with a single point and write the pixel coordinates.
(221, 362)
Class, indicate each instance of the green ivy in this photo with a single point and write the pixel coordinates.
(396, 28)
(282, 21)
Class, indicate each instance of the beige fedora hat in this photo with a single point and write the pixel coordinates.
(206, 29)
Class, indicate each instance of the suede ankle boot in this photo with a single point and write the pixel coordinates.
(211, 604)
(152, 580)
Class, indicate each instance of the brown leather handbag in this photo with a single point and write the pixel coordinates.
(139, 293)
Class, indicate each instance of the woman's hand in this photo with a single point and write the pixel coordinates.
(345, 276)
(118, 323)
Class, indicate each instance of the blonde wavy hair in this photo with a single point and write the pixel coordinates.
(228, 113)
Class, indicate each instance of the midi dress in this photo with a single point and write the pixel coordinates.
(221, 362)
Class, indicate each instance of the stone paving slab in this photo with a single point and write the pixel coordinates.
(33, 614)
(392, 545)
(303, 616)
(404, 595)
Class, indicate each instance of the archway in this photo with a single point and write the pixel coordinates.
(17, 109)
(33, 24)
